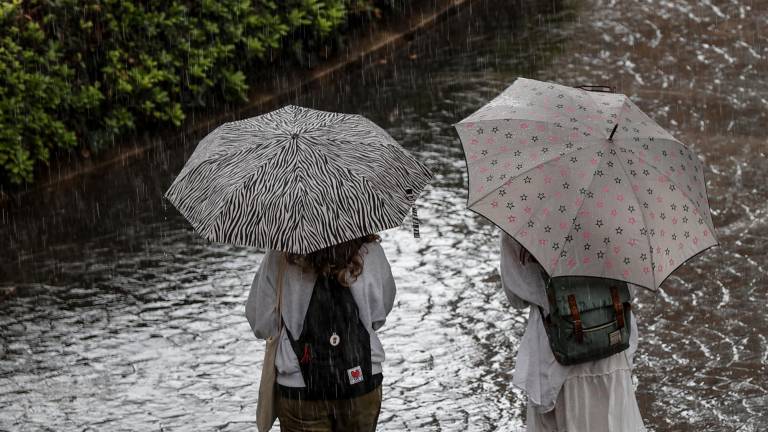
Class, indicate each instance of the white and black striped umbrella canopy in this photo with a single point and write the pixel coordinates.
(297, 180)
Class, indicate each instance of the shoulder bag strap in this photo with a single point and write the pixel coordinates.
(281, 267)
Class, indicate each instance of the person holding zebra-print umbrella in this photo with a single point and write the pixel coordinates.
(312, 188)
(329, 361)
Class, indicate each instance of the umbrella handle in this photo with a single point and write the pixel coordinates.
(597, 88)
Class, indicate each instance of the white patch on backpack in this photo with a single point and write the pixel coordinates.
(355, 375)
(614, 338)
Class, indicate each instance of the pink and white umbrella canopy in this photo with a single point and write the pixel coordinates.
(542, 167)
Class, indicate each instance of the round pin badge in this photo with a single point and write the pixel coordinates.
(335, 339)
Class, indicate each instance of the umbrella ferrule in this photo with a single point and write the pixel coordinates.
(610, 138)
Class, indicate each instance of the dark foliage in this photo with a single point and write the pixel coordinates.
(82, 73)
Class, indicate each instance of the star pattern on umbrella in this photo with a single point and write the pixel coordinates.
(638, 188)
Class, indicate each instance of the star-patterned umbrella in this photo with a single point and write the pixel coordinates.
(587, 182)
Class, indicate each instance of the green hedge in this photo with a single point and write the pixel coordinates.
(81, 73)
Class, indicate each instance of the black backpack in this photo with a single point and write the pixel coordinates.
(334, 348)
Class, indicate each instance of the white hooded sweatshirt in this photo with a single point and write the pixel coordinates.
(373, 291)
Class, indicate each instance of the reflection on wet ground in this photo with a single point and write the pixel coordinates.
(126, 320)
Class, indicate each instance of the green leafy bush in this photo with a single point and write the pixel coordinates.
(81, 73)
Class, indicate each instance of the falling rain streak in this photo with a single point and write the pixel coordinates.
(119, 317)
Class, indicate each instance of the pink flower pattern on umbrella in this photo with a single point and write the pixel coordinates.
(633, 207)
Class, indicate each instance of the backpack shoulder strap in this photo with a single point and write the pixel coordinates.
(576, 317)
(618, 307)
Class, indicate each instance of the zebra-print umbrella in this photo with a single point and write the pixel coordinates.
(587, 182)
(297, 180)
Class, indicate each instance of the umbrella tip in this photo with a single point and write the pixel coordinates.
(610, 138)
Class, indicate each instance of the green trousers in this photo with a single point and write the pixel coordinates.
(347, 415)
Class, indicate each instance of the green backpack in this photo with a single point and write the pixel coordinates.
(588, 319)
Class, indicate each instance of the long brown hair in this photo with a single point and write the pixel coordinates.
(344, 260)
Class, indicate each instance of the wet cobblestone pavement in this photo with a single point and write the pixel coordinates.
(123, 319)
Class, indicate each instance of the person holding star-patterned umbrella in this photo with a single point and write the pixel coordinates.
(582, 184)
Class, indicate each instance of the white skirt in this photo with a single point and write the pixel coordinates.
(596, 396)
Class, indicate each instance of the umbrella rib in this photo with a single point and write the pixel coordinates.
(362, 175)
(220, 212)
(517, 119)
(645, 223)
(642, 213)
(596, 106)
(266, 161)
(274, 139)
(716, 243)
(533, 167)
(186, 173)
(506, 117)
(233, 191)
(491, 120)
(682, 190)
(589, 187)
